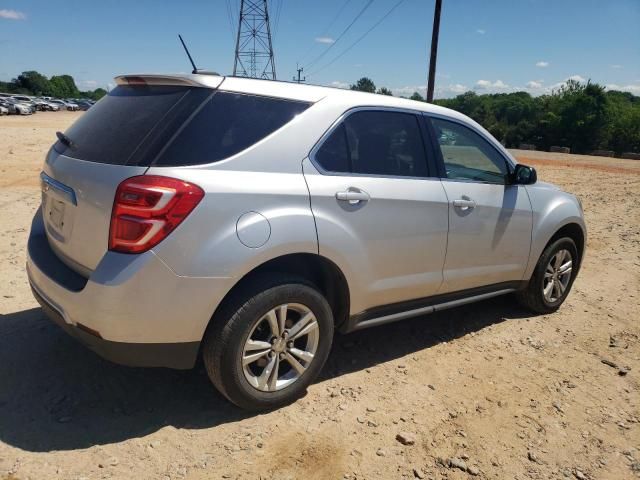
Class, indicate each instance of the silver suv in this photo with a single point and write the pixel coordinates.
(247, 220)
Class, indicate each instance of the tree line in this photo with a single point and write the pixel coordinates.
(582, 116)
(59, 86)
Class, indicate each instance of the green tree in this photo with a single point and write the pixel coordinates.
(416, 96)
(63, 86)
(98, 93)
(364, 85)
(33, 82)
(583, 116)
(385, 91)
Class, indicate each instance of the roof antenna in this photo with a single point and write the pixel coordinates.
(184, 45)
(195, 69)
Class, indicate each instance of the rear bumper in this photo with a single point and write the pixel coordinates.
(171, 355)
(132, 310)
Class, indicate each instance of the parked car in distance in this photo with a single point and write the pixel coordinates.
(247, 220)
(17, 108)
(64, 105)
(4, 110)
(11, 110)
(73, 104)
(44, 105)
(24, 100)
(84, 105)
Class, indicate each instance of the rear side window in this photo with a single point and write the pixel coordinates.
(227, 124)
(116, 126)
(375, 143)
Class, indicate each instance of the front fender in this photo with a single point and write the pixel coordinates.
(552, 210)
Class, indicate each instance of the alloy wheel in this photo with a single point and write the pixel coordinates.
(557, 276)
(280, 347)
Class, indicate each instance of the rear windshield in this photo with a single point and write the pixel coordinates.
(114, 128)
(173, 125)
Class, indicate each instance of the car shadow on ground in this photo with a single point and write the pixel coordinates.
(57, 395)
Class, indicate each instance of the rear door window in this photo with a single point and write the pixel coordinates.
(228, 123)
(375, 143)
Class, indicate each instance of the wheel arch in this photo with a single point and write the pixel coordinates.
(574, 232)
(572, 228)
(316, 269)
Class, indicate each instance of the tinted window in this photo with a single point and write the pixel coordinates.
(115, 127)
(376, 143)
(333, 155)
(468, 156)
(227, 124)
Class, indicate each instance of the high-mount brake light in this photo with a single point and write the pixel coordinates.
(147, 209)
(135, 81)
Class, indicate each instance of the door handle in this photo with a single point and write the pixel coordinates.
(464, 204)
(353, 196)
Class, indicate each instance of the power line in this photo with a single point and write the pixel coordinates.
(231, 18)
(360, 38)
(326, 31)
(276, 16)
(341, 35)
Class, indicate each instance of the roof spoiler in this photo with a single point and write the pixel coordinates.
(201, 79)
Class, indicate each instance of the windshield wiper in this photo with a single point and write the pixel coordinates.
(65, 140)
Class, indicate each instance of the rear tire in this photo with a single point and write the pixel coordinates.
(552, 278)
(268, 342)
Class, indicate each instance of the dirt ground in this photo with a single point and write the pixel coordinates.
(486, 391)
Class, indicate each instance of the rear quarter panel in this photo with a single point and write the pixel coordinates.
(206, 244)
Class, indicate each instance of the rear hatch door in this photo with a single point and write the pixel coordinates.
(116, 139)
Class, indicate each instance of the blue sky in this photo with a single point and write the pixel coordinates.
(485, 45)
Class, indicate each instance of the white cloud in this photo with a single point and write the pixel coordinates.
(489, 85)
(542, 64)
(12, 15)
(555, 86)
(339, 84)
(534, 84)
(441, 91)
(635, 89)
(616, 66)
(327, 40)
(456, 88)
(481, 31)
(409, 89)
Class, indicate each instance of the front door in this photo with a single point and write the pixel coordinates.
(490, 221)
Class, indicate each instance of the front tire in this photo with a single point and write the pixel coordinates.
(268, 343)
(552, 278)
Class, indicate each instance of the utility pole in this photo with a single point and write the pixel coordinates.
(299, 69)
(254, 49)
(434, 50)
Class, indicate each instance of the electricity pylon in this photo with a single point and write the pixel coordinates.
(254, 51)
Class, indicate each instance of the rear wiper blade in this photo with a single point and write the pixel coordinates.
(65, 140)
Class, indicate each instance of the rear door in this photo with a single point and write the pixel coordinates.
(490, 221)
(114, 140)
(380, 215)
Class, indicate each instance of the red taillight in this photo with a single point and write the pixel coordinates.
(147, 209)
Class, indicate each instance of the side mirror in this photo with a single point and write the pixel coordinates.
(524, 175)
